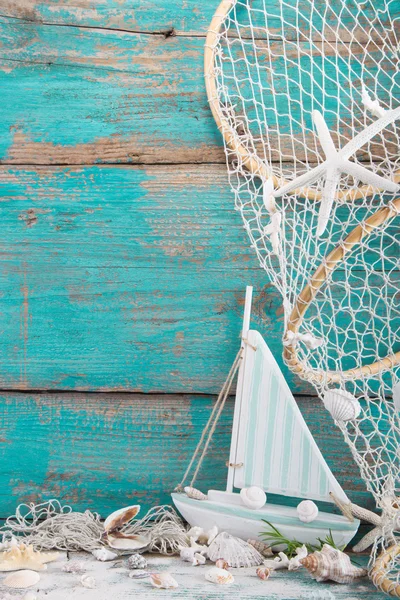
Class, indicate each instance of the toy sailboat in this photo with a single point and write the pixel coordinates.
(273, 449)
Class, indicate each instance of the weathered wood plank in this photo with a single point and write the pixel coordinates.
(83, 96)
(103, 451)
(126, 279)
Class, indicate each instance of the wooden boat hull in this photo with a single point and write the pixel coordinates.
(227, 512)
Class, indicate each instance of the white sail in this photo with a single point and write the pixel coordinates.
(273, 443)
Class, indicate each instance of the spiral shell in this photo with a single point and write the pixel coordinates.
(192, 492)
(253, 497)
(263, 573)
(342, 405)
(307, 511)
(331, 564)
(220, 576)
(262, 548)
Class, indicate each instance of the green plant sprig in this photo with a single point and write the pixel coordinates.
(274, 537)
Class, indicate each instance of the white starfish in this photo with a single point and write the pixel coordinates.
(337, 162)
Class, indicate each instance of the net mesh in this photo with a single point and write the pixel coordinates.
(305, 84)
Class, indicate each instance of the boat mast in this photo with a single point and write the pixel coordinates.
(239, 390)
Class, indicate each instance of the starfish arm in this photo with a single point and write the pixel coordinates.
(369, 132)
(301, 181)
(367, 540)
(328, 197)
(367, 176)
(324, 136)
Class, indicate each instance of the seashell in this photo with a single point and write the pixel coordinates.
(307, 511)
(139, 574)
(88, 581)
(253, 497)
(104, 555)
(192, 555)
(263, 573)
(222, 564)
(197, 534)
(342, 405)
(279, 562)
(332, 564)
(294, 562)
(220, 576)
(120, 541)
(262, 547)
(235, 551)
(191, 492)
(163, 580)
(120, 517)
(21, 579)
(136, 561)
(30, 596)
(73, 567)
(25, 557)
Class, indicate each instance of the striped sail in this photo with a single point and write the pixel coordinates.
(274, 443)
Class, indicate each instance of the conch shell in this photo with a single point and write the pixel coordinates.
(332, 564)
(342, 405)
(307, 511)
(116, 538)
(21, 557)
(253, 497)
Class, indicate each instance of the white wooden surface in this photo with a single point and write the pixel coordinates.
(114, 584)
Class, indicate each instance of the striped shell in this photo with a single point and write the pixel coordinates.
(192, 492)
(331, 564)
(262, 548)
(235, 551)
(342, 405)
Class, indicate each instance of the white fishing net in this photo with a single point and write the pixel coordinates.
(294, 86)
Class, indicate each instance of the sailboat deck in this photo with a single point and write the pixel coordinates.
(114, 583)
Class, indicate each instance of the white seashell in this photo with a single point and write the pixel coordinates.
(294, 562)
(307, 511)
(120, 517)
(103, 554)
(21, 579)
(191, 492)
(279, 562)
(88, 581)
(342, 405)
(235, 551)
(73, 567)
(163, 580)
(128, 543)
(192, 555)
(197, 534)
(20, 557)
(136, 561)
(253, 497)
(211, 534)
(139, 574)
(220, 576)
(30, 596)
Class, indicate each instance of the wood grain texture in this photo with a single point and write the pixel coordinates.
(104, 451)
(119, 278)
(84, 96)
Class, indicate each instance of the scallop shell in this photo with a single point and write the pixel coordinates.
(192, 492)
(163, 580)
(21, 579)
(263, 573)
(253, 497)
(235, 551)
(103, 554)
(342, 405)
(220, 576)
(262, 547)
(25, 557)
(332, 564)
(88, 581)
(307, 511)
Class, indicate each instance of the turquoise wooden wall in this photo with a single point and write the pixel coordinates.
(123, 264)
